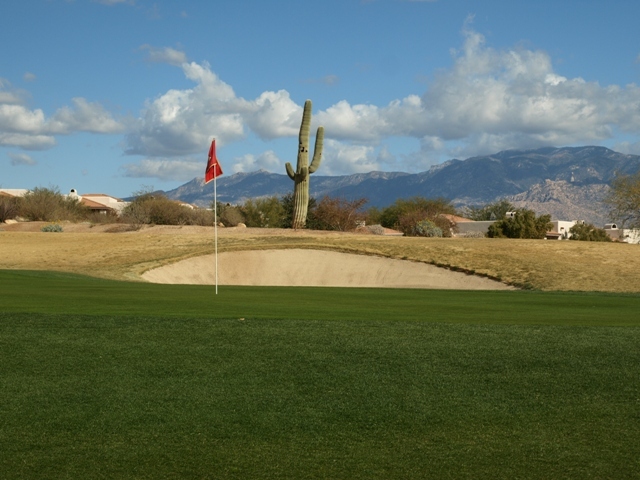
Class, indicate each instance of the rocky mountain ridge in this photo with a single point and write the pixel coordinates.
(569, 183)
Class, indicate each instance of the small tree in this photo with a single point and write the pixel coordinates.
(624, 200)
(229, 215)
(404, 214)
(156, 209)
(9, 207)
(586, 232)
(48, 204)
(492, 211)
(263, 212)
(334, 213)
(523, 224)
(426, 228)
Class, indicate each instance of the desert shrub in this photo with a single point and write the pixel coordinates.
(404, 214)
(156, 209)
(9, 207)
(52, 227)
(264, 212)
(201, 216)
(99, 218)
(341, 214)
(523, 224)
(48, 204)
(473, 235)
(426, 228)
(586, 232)
(492, 211)
(376, 229)
(229, 215)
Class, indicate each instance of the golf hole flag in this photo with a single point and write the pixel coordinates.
(213, 166)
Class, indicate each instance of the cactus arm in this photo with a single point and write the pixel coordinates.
(317, 151)
(290, 172)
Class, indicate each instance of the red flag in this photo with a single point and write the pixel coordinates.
(213, 166)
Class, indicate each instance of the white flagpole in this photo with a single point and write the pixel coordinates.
(215, 218)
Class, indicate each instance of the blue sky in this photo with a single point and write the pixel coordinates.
(115, 96)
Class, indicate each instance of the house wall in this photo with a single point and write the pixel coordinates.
(562, 227)
(473, 227)
(631, 235)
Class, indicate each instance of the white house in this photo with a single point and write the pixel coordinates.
(626, 235)
(96, 200)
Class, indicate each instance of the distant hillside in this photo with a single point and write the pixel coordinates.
(568, 182)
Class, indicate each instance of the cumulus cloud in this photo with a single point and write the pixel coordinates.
(164, 169)
(487, 100)
(84, 116)
(168, 55)
(30, 129)
(250, 163)
(343, 159)
(21, 159)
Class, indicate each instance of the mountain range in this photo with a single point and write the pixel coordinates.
(569, 182)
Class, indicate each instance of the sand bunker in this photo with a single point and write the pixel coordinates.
(299, 267)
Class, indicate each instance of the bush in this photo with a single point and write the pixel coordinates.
(264, 212)
(405, 214)
(156, 209)
(426, 228)
(48, 204)
(9, 207)
(229, 215)
(586, 232)
(524, 224)
(52, 227)
(339, 214)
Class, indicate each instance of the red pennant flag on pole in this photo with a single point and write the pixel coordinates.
(213, 166)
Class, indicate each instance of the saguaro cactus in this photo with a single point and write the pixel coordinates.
(301, 175)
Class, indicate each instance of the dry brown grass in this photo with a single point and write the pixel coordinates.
(544, 265)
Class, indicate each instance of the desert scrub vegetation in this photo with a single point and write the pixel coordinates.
(52, 227)
(9, 207)
(157, 209)
(48, 204)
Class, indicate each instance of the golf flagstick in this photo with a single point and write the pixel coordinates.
(212, 172)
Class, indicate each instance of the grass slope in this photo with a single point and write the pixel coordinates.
(537, 264)
(104, 379)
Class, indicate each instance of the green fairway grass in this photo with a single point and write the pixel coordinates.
(104, 379)
(47, 292)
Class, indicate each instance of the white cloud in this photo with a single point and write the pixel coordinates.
(182, 121)
(17, 118)
(631, 148)
(21, 159)
(31, 130)
(250, 163)
(83, 117)
(273, 115)
(342, 159)
(29, 77)
(165, 169)
(165, 55)
(487, 100)
(26, 141)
